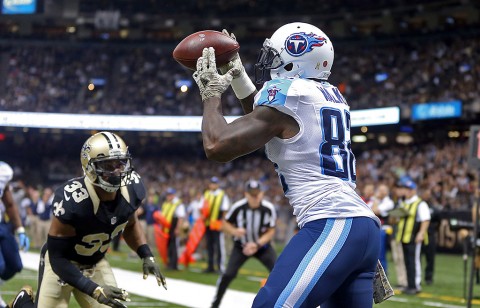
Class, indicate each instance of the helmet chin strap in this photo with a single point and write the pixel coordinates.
(104, 185)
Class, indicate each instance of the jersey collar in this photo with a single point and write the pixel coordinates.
(96, 200)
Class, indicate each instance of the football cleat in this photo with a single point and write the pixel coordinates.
(23, 297)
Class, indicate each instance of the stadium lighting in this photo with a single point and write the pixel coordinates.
(453, 134)
(375, 116)
(359, 138)
(366, 117)
(103, 121)
(404, 139)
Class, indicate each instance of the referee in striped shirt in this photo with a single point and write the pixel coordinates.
(251, 222)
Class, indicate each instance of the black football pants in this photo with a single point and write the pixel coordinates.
(266, 255)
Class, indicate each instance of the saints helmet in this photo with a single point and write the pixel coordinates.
(295, 50)
(106, 161)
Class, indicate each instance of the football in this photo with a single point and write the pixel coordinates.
(190, 48)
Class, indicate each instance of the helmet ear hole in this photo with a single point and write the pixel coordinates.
(288, 67)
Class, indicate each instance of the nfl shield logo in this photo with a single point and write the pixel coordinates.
(113, 220)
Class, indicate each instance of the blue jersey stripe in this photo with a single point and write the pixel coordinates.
(306, 260)
(331, 256)
(311, 254)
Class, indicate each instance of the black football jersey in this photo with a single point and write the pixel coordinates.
(96, 222)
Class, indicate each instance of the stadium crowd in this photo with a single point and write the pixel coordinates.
(147, 80)
(439, 168)
(143, 79)
(239, 7)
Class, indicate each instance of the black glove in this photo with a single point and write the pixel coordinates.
(150, 267)
(110, 296)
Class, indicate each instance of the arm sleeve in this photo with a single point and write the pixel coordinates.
(273, 214)
(232, 212)
(385, 206)
(58, 251)
(423, 212)
(225, 203)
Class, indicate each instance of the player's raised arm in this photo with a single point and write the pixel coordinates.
(222, 141)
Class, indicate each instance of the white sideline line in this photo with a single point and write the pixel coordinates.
(180, 292)
(435, 304)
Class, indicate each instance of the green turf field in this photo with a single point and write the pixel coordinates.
(447, 290)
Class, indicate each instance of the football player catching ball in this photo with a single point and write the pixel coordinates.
(304, 123)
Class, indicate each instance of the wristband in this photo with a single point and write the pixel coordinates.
(144, 251)
(243, 86)
(20, 230)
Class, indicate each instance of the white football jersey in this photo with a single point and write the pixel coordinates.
(316, 167)
(6, 175)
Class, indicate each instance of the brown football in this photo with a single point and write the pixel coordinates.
(190, 48)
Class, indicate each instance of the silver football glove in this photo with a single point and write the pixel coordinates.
(236, 62)
(242, 85)
(209, 81)
(382, 290)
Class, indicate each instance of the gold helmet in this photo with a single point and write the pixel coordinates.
(106, 161)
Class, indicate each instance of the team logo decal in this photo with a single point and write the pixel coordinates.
(272, 92)
(113, 220)
(85, 150)
(299, 43)
(58, 209)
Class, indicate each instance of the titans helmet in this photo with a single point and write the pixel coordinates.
(106, 161)
(295, 50)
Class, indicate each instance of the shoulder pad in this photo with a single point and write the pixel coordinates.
(68, 197)
(268, 205)
(6, 172)
(274, 92)
(137, 187)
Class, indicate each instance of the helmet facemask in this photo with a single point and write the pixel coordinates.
(106, 161)
(112, 172)
(268, 59)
